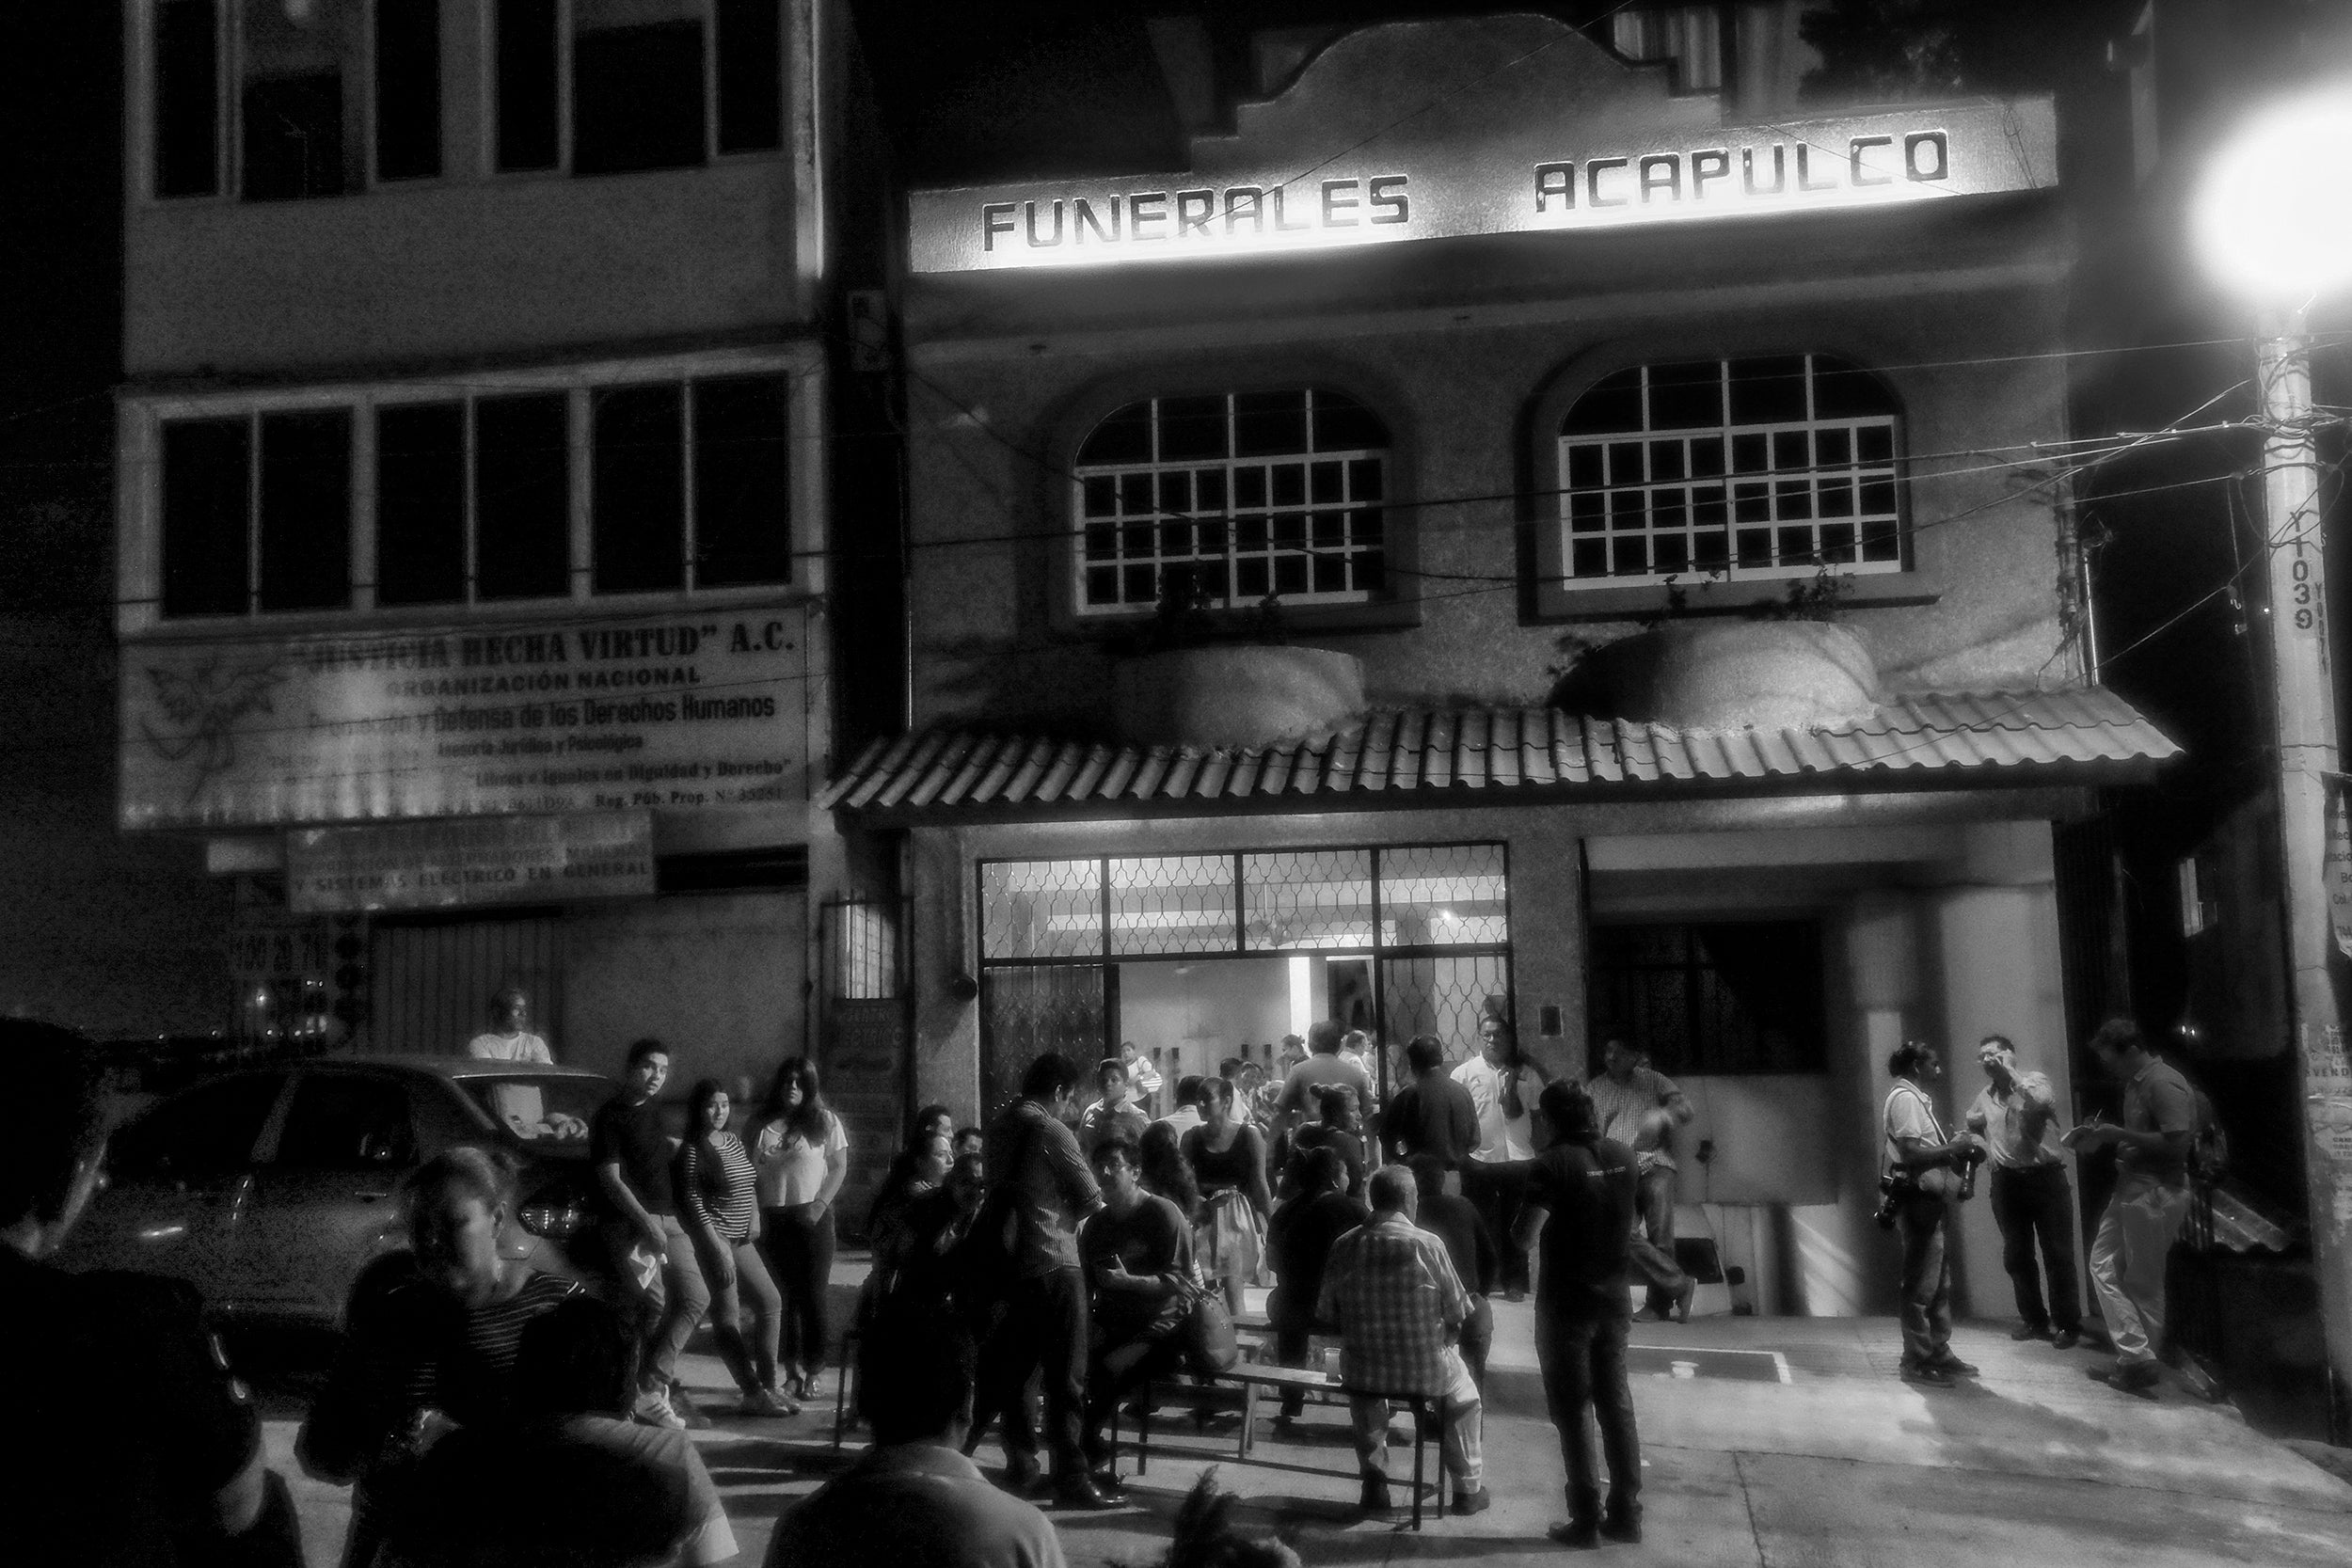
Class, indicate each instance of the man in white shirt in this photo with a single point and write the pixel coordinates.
(1921, 1159)
(2031, 1196)
(521, 1107)
(1143, 1077)
(1502, 1090)
(509, 1038)
(1640, 1107)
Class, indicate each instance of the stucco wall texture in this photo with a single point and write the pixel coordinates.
(990, 495)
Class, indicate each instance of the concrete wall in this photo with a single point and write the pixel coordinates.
(1009, 383)
(716, 977)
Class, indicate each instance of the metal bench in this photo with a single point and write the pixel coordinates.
(1254, 1379)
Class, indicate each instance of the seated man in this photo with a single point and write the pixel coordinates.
(913, 1497)
(1115, 1115)
(1138, 1254)
(571, 1480)
(1454, 1220)
(1298, 1242)
(1392, 1290)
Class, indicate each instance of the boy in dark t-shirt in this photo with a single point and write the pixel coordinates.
(1136, 1251)
(631, 1151)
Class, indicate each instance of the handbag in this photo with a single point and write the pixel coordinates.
(1209, 1342)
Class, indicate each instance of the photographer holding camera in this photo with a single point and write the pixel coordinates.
(1922, 1174)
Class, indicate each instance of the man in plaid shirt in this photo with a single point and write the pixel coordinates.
(1392, 1290)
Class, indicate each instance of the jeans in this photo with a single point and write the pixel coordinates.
(1653, 1254)
(751, 1360)
(2127, 1259)
(1043, 1329)
(1112, 1369)
(1583, 1367)
(800, 1250)
(2034, 1203)
(665, 1300)
(1460, 1450)
(1923, 1222)
(1498, 1187)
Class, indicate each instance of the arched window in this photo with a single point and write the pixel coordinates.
(1233, 496)
(1740, 469)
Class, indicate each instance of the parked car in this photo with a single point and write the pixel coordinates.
(270, 1189)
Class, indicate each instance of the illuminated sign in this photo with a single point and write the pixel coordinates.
(685, 712)
(482, 859)
(1522, 182)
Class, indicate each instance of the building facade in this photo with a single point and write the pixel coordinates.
(473, 483)
(1502, 521)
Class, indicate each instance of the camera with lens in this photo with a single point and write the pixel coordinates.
(1894, 1187)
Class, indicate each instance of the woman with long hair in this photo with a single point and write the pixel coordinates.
(430, 1340)
(802, 1153)
(919, 1168)
(1339, 1127)
(1228, 1159)
(717, 1200)
(1165, 1172)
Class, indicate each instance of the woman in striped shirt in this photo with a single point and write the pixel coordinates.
(430, 1340)
(718, 1199)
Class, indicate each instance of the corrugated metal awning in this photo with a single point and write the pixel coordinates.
(1432, 757)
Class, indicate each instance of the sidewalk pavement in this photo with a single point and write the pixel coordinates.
(1767, 1442)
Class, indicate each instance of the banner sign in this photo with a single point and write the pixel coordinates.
(1553, 175)
(482, 859)
(681, 713)
(2336, 871)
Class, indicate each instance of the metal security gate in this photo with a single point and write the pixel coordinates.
(1433, 919)
(431, 978)
(863, 1035)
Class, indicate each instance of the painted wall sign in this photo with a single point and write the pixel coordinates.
(675, 713)
(1558, 135)
(482, 859)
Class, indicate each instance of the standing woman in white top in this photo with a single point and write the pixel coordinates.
(801, 1153)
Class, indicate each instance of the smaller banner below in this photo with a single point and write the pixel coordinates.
(2337, 872)
(489, 860)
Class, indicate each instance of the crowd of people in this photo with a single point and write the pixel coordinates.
(1075, 1247)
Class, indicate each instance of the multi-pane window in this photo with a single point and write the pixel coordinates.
(321, 98)
(1720, 997)
(1743, 469)
(1691, 37)
(686, 483)
(654, 84)
(1230, 496)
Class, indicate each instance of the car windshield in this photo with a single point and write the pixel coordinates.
(548, 1109)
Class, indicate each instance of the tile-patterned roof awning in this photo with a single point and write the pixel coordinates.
(1434, 757)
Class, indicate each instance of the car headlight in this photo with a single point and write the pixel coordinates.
(557, 1222)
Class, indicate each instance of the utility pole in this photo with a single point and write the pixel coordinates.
(2307, 770)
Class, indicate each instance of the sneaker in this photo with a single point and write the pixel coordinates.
(1577, 1534)
(2027, 1331)
(1927, 1376)
(1473, 1502)
(1375, 1495)
(688, 1411)
(765, 1401)
(1682, 1300)
(2126, 1377)
(1952, 1366)
(1650, 1315)
(653, 1409)
(1624, 1527)
(2066, 1338)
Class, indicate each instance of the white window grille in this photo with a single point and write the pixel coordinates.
(1737, 468)
(1228, 497)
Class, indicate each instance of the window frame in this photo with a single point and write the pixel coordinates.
(1812, 1057)
(1551, 594)
(1397, 606)
(566, 35)
(459, 164)
(141, 489)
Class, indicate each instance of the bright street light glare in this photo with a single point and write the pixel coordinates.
(2273, 216)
